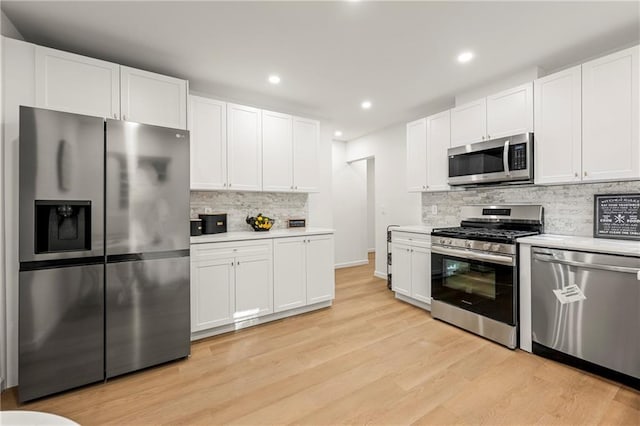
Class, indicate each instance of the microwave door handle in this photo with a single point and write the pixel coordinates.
(505, 159)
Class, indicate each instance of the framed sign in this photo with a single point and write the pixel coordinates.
(617, 216)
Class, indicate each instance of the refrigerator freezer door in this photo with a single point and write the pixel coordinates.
(147, 188)
(61, 329)
(61, 159)
(148, 319)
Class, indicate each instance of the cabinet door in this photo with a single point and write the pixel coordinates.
(289, 273)
(306, 150)
(244, 145)
(212, 293)
(417, 155)
(438, 142)
(510, 112)
(469, 123)
(320, 269)
(254, 287)
(421, 274)
(152, 98)
(558, 132)
(208, 126)
(610, 138)
(74, 83)
(277, 152)
(401, 269)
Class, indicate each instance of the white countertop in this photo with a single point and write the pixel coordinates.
(253, 235)
(599, 245)
(420, 229)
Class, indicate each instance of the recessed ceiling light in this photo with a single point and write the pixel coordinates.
(365, 104)
(465, 57)
(274, 79)
(337, 133)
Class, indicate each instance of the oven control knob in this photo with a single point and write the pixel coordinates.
(469, 244)
(495, 247)
(447, 242)
(486, 246)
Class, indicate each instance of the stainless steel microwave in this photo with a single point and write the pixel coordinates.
(503, 160)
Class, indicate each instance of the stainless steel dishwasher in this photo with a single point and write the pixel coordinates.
(586, 311)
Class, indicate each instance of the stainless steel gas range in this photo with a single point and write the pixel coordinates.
(474, 274)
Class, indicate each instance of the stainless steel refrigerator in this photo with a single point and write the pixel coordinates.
(104, 249)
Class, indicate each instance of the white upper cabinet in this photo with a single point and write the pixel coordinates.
(610, 139)
(306, 151)
(277, 151)
(558, 132)
(208, 126)
(151, 98)
(73, 83)
(417, 155)
(438, 142)
(510, 112)
(244, 143)
(469, 123)
(507, 113)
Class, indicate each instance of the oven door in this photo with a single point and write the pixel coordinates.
(475, 281)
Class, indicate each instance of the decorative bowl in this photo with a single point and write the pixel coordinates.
(260, 223)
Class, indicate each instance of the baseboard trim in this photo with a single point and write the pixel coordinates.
(350, 264)
(382, 275)
(414, 302)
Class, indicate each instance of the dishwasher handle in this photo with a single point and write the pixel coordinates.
(553, 259)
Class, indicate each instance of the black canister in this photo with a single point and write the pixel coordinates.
(214, 223)
(196, 227)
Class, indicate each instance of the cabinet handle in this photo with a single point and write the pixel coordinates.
(296, 187)
(424, 187)
(488, 136)
(115, 115)
(229, 185)
(124, 116)
(575, 174)
(231, 263)
(483, 138)
(291, 186)
(585, 173)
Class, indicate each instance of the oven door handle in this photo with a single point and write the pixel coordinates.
(474, 255)
(505, 159)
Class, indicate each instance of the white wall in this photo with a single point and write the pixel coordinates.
(320, 203)
(498, 85)
(393, 204)
(349, 208)
(371, 204)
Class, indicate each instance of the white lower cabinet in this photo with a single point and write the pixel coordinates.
(259, 280)
(411, 266)
(230, 282)
(212, 293)
(303, 271)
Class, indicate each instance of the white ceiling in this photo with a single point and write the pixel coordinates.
(333, 55)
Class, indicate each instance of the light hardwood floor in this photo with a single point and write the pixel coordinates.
(367, 359)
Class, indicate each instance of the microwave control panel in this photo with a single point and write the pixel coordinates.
(518, 157)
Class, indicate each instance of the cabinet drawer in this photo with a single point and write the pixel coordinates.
(411, 238)
(218, 250)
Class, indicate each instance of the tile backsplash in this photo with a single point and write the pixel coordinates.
(239, 205)
(568, 209)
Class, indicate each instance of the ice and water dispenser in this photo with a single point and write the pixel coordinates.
(62, 226)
